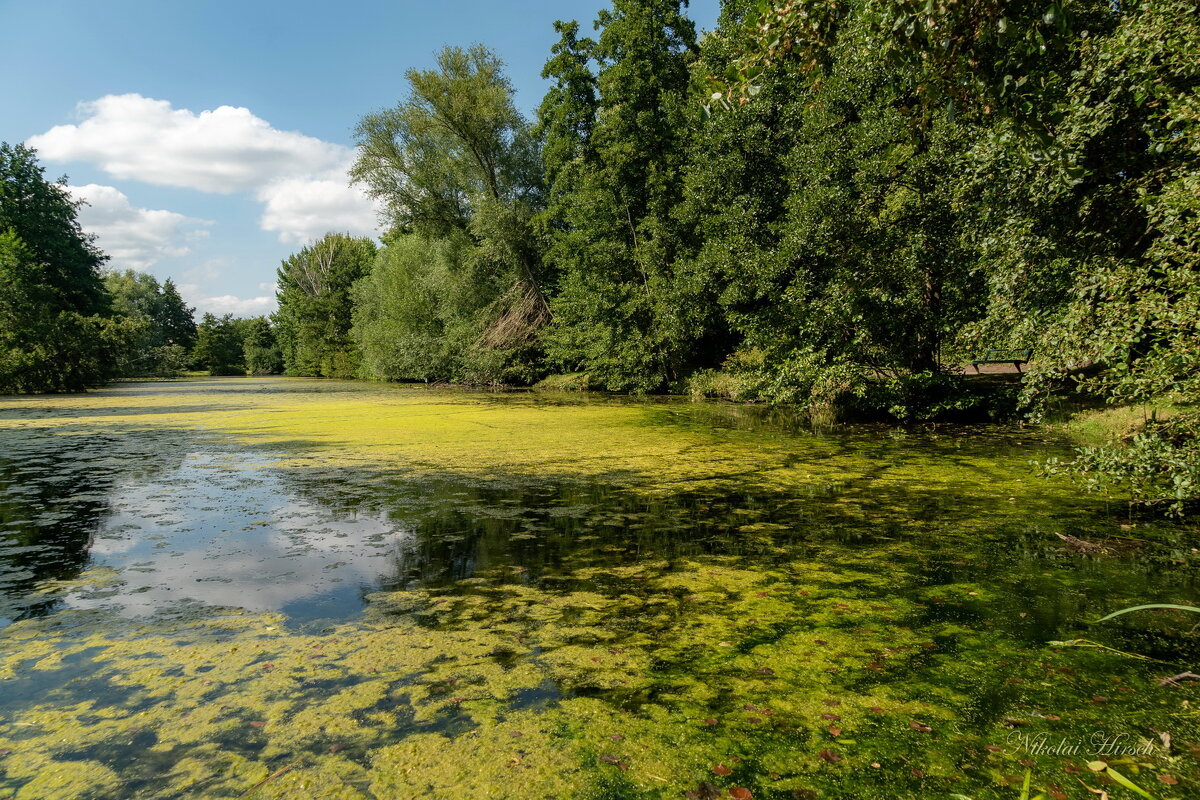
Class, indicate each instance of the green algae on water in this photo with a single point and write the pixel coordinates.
(590, 598)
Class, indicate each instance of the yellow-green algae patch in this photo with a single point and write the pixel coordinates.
(797, 677)
(649, 445)
(714, 603)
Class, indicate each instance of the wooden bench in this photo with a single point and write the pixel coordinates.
(1016, 357)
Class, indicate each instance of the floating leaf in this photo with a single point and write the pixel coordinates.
(919, 726)
(830, 756)
(722, 770)
(740, 793)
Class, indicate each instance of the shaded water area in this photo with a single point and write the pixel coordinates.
(288, 588)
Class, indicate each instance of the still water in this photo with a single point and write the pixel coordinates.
(298, 588)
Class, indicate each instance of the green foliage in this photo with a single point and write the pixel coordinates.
(413, 312)
(1158, 464)
(617, 153)
(312, 324)
(260, 350)
(1062, 149)
(52, 338)
(219, 346)
(458, 170)
(158, 325)
(173, 316)
(43, 215)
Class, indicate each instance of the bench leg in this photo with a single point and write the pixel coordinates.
(1017, 364)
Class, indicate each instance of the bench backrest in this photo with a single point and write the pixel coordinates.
(1010, 354)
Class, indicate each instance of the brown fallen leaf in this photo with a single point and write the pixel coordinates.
(740, 793)
(919, 726)
(830, 756)
(722, 770)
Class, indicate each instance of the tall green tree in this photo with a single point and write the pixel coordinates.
(44, 216)
(312, 324)
(219, 347)
(622, 312)
(174, 317)
(457, 163)
(156, 322)
(412, 317)
(51, 335)
(260, 349)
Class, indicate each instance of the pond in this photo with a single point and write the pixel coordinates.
(292, 588)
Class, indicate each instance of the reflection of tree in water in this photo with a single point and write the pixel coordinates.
(54, 495)
(543, 529)
(461, 527)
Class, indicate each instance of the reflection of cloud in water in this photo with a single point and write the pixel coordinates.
(223, 530)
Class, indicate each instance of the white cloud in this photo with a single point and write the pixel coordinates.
(134, 237)
(300, 180)
(305, 208)
(224, 150)
(226, 303)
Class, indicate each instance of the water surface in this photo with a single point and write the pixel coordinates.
(392, 591)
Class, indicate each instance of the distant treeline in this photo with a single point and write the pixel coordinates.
(830, 204)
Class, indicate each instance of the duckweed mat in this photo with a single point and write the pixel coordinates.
(289, 588)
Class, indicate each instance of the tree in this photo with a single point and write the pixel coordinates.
(147, 309)
(219, 347)
(174, 317)
(411, 313)
(456, 162)
(44, 216)
(260, 350)
(51, 337)
(312, 324)
(622, 312)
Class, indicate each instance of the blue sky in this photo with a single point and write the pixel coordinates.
(210, 137)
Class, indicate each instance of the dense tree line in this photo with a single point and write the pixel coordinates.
(831, 204)
(67, 323)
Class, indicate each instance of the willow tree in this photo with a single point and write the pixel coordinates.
(457, 161)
